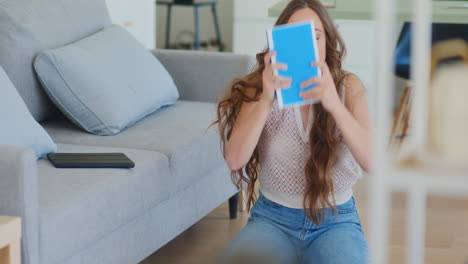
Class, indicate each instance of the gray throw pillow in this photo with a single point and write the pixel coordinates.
(30, 26)
(18, 126)
(105, 82)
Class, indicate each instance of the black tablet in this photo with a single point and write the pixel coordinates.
(90, 160)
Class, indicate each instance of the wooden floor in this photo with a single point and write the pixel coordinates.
(446, 235)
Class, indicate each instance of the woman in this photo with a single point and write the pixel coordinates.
(306, 158)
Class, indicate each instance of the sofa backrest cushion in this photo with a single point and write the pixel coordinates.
(30, 26)
(105, 82)
(18, 126)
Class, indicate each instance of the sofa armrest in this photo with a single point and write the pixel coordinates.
(19, 195)
(204, 76)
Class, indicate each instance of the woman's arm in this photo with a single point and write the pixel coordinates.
(353, 120)
(253, 115)
(352, 117)
(246, 132)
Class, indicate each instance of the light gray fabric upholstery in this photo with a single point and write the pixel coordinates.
(139, 238)
(18, 126)
(106, 81)
(178, 131)
(80, 206)
(29, 26)
(19, 195)
(204, 76)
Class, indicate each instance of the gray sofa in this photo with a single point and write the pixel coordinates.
(112, 215)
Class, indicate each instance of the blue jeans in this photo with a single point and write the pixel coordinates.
(278, 234)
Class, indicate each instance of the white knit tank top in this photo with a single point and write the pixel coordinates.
(284, 151)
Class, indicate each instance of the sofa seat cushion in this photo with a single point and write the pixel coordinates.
(178, 131)
(79, 206)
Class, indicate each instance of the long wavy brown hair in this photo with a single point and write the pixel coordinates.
(323, 138)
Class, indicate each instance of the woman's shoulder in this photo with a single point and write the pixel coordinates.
(352, 88)
(352, 82)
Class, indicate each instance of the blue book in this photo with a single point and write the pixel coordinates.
(296, 46)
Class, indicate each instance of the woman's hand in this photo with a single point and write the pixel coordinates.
(272, 82)
(324, 90)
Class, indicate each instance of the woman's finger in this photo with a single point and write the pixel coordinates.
(279, 66)
(311, 81)
(317, 64)
(267, 58)
(314, 93)
(280, 79)
(322, 66)
(283, 84)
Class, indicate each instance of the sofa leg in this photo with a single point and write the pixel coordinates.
(233, 204)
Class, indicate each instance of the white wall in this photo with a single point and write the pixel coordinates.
(183, 19)
(250, 23)
(137, 16)
(359, 38)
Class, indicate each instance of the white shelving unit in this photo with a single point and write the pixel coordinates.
(418, 180)
(436, 181)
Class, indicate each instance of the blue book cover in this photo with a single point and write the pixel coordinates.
(296, 46)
